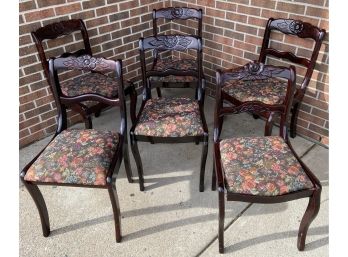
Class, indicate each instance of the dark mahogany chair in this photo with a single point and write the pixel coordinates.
(272, 91)
(170, 120)
(92, 82)
(176, 13)
(79, 157)
(262, 169)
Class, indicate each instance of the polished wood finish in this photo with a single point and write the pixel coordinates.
(303, 30)
(176, 13)
(164, 43)
(94, 64)
(60, 29)
(258, 70)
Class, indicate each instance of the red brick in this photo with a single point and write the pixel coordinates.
(249, 10)
(26, 6)
(39, 15)
(106, 10)
(293, 8)
(46, 3)
(93, 4)
(66, 9)
(317, 12)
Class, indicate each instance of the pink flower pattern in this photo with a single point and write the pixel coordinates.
(268, 91)
(170, 117)
(76, 157)
(261, 166)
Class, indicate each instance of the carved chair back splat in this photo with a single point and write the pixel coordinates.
(97, 153)
(170, 120)
(261, 169)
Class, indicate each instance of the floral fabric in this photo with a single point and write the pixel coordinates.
(268, 91)
(76, 157)
(178, 64)
(170, 117)
(92, 82)
(262, 166)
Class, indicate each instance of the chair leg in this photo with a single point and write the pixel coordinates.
(221, 220)
(269, 125)
(87, 119)
(135, 151)
(41, 206)
(116, 210)
(203, 162)
(294, 115)
(255, 116)
(213, 178)
(127, 164)
(159, 93)
(310, 214)
(97, 113)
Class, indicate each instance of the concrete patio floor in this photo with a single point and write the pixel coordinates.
(171, 217)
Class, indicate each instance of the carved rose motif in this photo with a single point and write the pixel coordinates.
(170, 42)
(177, 12)
(85, 62)
(296, 27)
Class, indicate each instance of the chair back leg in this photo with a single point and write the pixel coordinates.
(126, 159)
(135, 151)
(116, 210)
(203, 162)
(294, 115)
(221, 220)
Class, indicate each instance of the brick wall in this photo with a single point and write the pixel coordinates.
(114, 29)
(232, 36)
(232, 33)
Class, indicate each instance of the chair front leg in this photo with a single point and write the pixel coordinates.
(310, 214)
(203, 162)
(135, 151)
(221, 219)
(41, 206)
(213, 177)
(116, 210)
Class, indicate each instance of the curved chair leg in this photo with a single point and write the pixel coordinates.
(159, 93)
(294, 115)
(310, 214)
(127, 164)
(203, 162)
(116, 210)
(221, 220)
(41, 206)
(135, 151)
(213, 178)
(269, 125)
(97, 113)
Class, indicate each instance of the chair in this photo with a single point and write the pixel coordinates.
(93, 82)
(273, 90)
(262, 169)
(82, 158)
(176, 13)
(170, 120)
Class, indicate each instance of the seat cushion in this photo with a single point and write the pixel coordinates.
(262, 166)
(170, 117)
(268, 91)
(92, 82)
(76, 157)
(178, 64)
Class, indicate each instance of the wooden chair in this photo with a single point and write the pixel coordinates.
(93, 82)
(262, 169)
(170, 120)
(169, 14)
(81, 158)
(272, 91)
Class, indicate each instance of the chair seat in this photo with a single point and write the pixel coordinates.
(92, 82)
(178, 64)
(268, 91)
(170, 117)
(76, 157)
(262, 166)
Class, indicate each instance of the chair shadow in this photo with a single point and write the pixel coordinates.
(323, 230)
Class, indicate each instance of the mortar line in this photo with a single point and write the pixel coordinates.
(226, 228)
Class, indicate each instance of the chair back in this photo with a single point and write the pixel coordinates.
(85, 63)
(177, 13)
(252, 71)
(296, 28)
(59, 29)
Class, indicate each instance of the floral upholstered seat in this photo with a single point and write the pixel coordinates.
(76, 157)
(178, 64)
(262, 166)
(90, 83)
(170, 117)
(268, 91)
